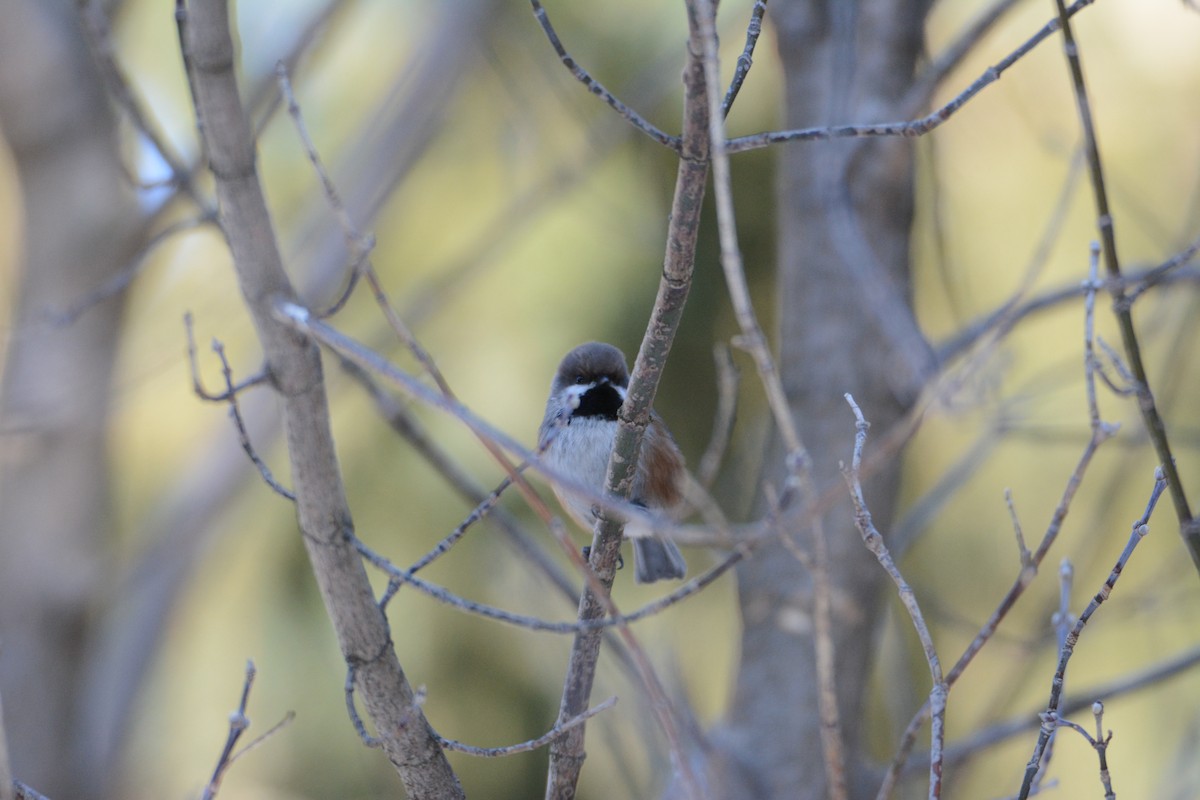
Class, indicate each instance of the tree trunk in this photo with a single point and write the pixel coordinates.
(79, 228)
(843, 62)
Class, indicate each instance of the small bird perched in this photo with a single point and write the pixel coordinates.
(581, 418)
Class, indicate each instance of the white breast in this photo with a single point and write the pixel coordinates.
(580, 451)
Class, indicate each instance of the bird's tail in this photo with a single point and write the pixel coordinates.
(656, 560)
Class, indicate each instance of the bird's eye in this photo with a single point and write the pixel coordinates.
(580, 379)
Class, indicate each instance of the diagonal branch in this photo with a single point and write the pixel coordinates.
(1189, 526)
(595, 87)
(294, 364)
(906, 128)
(566, 754)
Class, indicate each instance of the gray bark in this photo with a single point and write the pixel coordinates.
(80, 226)
(845, 210)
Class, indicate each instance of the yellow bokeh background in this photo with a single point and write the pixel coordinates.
(579, 260)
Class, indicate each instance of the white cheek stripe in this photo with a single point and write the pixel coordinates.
(575, 392)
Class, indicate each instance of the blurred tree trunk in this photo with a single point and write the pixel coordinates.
(80, 225)
(843, 62)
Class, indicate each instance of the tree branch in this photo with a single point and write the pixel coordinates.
(1188, 525)
(294, 365)
(566, 754)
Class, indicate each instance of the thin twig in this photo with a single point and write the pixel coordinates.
(567, 753)
(1155, 426)
(798, 463)
(875, 543)
(235, 414)
(1100, 743)
(1100, 432)
(400, 576)
(989, 737)
(238, 724)
(99, 38)
(1141, 527)
(1151, 278)
(352, 710)
(746, 59)
(198, 385)
(532, 744)
(922, 89)
(596, 88)
(908, 128)
(1062, 622)
(754, 342)
(1022, 549)
(360, 245)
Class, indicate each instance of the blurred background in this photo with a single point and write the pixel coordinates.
(515, 217)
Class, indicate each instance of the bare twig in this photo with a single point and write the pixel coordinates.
(532, 744)
(567, 753)
(1007, 316)
(967, 42)
(1155, 426)
(909, 128)
(1022, 549)
(596, 88)
(1100, 743)
(235, 413)
(1140, 528)
(875, 543)
(1151, 278)
(1100, 432)
(198, 385)
(1062, 622)
(99, 39)
(359, 245)
(400, 576)
(798, 462)
(352, 710)
(238, 724)
(230, 396)
(746, 59)
(295, 367)
(1014, 726)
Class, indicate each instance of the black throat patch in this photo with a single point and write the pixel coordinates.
(601, 401)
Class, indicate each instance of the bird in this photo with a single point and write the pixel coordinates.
(577, 434)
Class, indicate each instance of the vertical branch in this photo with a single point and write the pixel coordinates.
(294, 365)
(1189, 526)
(567, 753)
(799, 467)
(875, 543)
(1030, 562)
